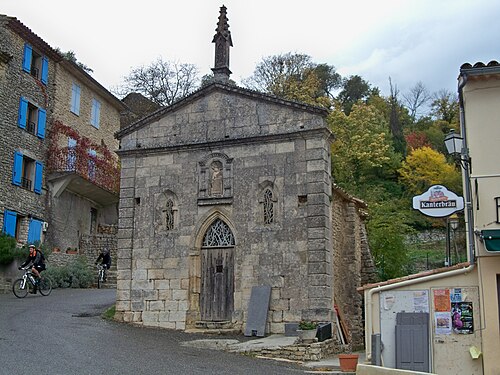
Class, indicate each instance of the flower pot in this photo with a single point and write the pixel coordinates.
(306, 335)
(348, 362)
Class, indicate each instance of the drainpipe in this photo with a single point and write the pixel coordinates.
(465, 156)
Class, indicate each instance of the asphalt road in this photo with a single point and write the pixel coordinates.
(63, 334)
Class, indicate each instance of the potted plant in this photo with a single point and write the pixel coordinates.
(307, 330)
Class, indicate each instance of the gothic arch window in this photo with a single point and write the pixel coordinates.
(218, 235)
(268, 206)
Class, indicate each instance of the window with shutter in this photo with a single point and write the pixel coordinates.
(40, 128)
(45, 70)
(23, 113)
(27, 58)
(35, 64)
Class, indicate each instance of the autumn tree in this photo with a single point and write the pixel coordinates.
(444, 106)
(163, 82)
(425, 167)
(295, 77)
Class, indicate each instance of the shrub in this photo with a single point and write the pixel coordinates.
(307, 325)
(77, 274)
(9, 250)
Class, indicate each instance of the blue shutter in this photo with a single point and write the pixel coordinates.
(38, 177)
(34, 231)
(28, 53)
(42, 118)
(23, 113)
(45, 70)
(17, 170)
(75, 99)
(9, 223)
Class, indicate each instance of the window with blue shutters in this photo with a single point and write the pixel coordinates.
(35, 64)
(35, 231)
(9, 223)
(75, 99)
(27, 173)
(32, 118)
(95, 114)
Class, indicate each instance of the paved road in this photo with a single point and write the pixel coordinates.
(64, 334)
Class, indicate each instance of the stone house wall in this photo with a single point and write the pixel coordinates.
(353, 263)
(24, 202)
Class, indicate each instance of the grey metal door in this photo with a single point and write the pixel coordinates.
(412, 341)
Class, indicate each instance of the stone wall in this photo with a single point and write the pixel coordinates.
(353, 263)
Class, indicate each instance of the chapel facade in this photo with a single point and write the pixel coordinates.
(225, 190)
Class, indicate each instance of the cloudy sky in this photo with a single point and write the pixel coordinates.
(407, 40)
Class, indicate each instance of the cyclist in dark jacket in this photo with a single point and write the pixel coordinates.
(36, 257)
(106, 258)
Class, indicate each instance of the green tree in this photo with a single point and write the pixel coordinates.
(425, 167)
(444, 107)
(354, 88)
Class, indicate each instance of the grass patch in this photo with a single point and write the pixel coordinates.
(109, 313)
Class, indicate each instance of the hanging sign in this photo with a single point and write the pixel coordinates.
(438, 201)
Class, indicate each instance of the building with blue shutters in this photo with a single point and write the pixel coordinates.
(59, 173)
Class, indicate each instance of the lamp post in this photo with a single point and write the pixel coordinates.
(452, 221)
(457, 147)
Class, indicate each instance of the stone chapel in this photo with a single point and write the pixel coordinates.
(222, 191)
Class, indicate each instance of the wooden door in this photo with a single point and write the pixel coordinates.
(217, 284)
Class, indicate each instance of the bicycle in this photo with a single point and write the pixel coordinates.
(101, 274)
(21, 286)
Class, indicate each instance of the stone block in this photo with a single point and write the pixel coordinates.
(156, 305)
(180, 295)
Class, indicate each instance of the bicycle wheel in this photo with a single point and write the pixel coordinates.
(45, 286)
(18, 290)
(99, 279)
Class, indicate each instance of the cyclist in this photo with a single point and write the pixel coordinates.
(106, 259)
(38, 262)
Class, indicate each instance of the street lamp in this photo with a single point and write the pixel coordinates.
(454, 222)
(454, 143)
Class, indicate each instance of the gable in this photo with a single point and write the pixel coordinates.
(221, 114)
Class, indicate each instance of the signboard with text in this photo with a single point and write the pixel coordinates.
(438, 201)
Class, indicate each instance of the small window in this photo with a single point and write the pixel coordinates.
(27, 173)
(268, 207)
(95, 114)
(35, 64)
(75, 99)
(32, 118)
(169, 215)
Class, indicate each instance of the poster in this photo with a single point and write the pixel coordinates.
(442, 300)
(462, 317)
(456, 295)
(443, 323)
(420, 301)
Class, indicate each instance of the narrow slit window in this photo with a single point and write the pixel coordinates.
(169, 215)
(268, 207)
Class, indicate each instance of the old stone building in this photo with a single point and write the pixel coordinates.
(60, 175)
(225, 190)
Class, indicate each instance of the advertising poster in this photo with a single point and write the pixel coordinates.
(443, 323)
(456, 295)
(420, 301)
(442, 300)
(462, 317)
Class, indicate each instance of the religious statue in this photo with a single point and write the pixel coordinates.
(216, 178)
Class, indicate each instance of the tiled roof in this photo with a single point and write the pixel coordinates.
(480, 65)
(415, 276)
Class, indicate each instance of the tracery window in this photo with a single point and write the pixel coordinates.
(268, 207)
(169, 215)
(218, 235)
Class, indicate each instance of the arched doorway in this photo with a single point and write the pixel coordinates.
(217, 273)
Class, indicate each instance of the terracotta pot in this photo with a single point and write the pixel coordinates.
(348, 362)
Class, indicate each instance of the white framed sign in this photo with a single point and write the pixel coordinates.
(438, 201)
